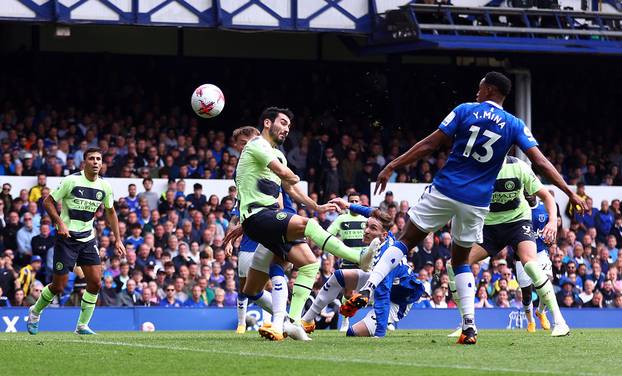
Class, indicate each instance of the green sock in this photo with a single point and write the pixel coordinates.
(44, 300)
(87, 307)
(452, 287)
(544, 288)
(302, 289)
(327, 242)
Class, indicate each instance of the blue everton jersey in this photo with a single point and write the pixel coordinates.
(539, 218)
(249, 245)
(401, 288)
(482, 135)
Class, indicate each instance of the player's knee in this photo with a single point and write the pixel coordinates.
(250, 291)
(94, 286)
(57, 288)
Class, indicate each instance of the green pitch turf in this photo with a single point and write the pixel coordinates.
(502, 352)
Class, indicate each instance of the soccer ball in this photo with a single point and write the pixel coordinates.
(147, 326)
(207, 101)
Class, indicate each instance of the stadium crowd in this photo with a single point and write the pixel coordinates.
(175, 245)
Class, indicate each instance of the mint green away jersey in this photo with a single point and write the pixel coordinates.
(257, 185)
(80, 198)
(508, 203)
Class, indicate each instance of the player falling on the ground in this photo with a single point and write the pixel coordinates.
(389, 306)
(482, 133)
(80, 195)
(349, 228)
(262, 171)
(509, 224)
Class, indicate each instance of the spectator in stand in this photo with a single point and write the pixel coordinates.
(612, 248)
(603, 221)
(608, 293)
(27, 274)
(135, 239)
(24, 237)
(19, 298)
(152, 197)
(503, 299)
(35, 192)
(144, 257)
(196, 199)
(388, 200)
(42, 243)
(586, 219)
(444, 248)
(481, 298)
(170, 300)
(123, 277)
(128, 297)
(596, 302)
(438, 299)
(195, 299)
(108, 293)
(35, 293)
(219, 298)
(180, 294)
(426, 253)
(231, 295)
(132, 198)
(148, 299)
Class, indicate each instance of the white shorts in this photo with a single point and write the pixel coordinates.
(370, 319)
(544, 263)
(434, 210)
(262, 258)
(244, 263)
(362, 280)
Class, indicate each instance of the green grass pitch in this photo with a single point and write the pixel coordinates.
(429, 352)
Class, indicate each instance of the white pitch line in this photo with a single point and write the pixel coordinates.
(301, 358)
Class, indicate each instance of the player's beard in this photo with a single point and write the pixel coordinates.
(274, 135)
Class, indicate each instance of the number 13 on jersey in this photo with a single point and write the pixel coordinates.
(492, 138)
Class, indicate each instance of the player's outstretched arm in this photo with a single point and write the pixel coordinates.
(354, 208)
(296, 193)
(418, 151)
(544, 167)
(113, 221)
(283, 172)
(549, 232)
(50, 207)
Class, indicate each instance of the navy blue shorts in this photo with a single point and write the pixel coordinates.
(69, 252)
(497, 237)
(269, 228)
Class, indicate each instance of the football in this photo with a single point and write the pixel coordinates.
(207, 101)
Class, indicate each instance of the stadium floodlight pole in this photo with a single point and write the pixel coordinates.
(522, 89)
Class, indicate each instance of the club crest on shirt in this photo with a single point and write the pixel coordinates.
(99, 195)
(509, 185)
(281, 216)
(541, 217)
